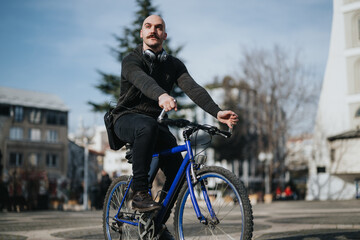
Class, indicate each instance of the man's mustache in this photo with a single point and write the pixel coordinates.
(153, 36)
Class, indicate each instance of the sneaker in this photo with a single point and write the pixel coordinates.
(143, 202)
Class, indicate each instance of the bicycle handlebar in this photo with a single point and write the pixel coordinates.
(181, 123)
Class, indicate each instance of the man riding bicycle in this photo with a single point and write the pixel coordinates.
(148, 75)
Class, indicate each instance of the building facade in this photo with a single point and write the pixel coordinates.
(338, 110)
(33, 141)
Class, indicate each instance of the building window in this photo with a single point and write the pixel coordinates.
(18, 113)
(34, 159)
(355, 29)
(52, 136)
(356, 78)
(357, 113)
(332, 155)
(16, 133)
(62, 119)
(51, 118)
(35, 116)
(359, 28)
(56, 118)
(321, 169)
(16, 159)
(51, 160)
(34, 134)
(4, 110)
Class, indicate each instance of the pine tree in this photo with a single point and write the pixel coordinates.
(127, 42)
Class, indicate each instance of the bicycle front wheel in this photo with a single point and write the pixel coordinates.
(112, 228)
(231, 217)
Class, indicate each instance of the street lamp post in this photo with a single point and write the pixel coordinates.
(86, 173)
(266, 158)
(85, 135)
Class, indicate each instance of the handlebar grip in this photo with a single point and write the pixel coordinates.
(225, 134)
(161, 116)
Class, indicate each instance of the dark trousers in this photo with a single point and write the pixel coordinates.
(147, 136)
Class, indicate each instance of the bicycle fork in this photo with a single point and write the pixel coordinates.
(191, 185)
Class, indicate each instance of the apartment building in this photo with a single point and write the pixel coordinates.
(33, 137)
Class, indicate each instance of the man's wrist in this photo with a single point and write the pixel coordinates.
(163, 95)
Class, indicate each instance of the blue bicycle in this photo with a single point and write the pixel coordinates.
(212, 202)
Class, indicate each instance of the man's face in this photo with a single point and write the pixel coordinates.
(153, 33)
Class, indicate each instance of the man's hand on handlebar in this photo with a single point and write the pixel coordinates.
(167, 102)
(228, 117)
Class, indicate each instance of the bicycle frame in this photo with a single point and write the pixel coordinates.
(184, 170)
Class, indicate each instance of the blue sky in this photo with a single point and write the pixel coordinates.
(58, 46)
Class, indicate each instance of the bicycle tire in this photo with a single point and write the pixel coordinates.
(113, 229)
(229, 200)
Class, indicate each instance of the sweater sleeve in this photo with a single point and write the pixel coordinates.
(133, 71)
(198, 94)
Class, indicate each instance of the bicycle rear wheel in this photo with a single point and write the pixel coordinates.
(114, 229)
(229, 200)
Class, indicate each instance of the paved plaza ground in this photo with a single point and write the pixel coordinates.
(300, 220)
(287, 220)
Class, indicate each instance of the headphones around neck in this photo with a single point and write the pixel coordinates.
(150, 55)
